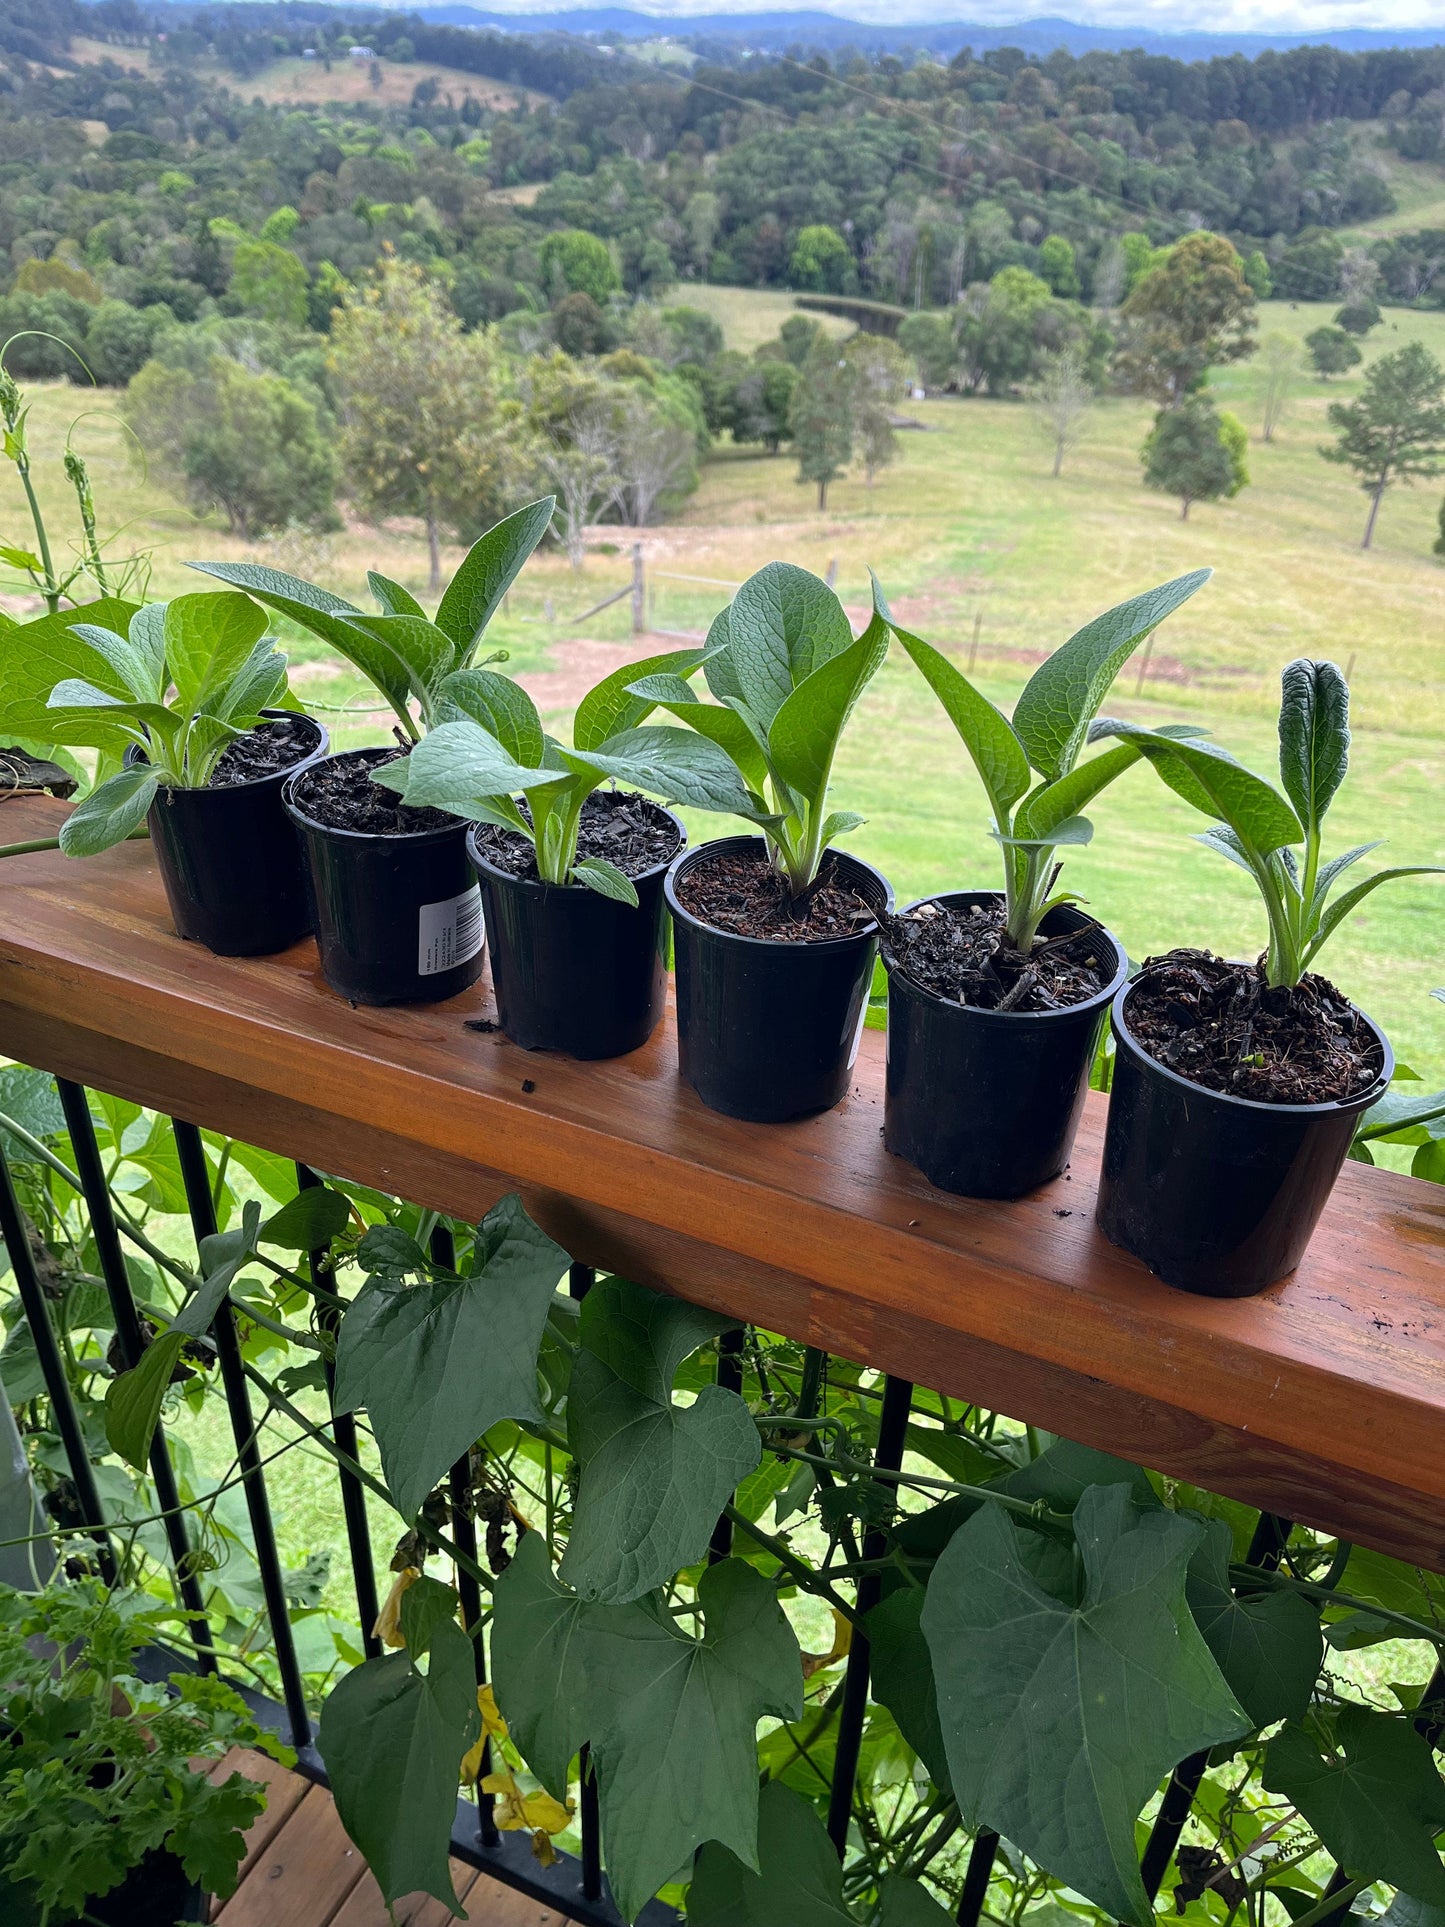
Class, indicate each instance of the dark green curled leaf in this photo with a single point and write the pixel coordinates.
(1314, 737)
(1268, 1646)
(488, 570)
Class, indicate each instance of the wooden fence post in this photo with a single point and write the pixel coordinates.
(639, 592)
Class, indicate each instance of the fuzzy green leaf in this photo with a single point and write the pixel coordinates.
(655, 1475)
(1342, 906)
(986, 733)
(722, 725)
(1060, 1719)
(393, 1739)
(1314, 737)
(612, 705)
(421, 651)
(394, 599)
(605, 878)
(457, 767)
(783, 624)
(500, 706)
(109, 814)
(488, 570)
(803, 736)
(1377, 1809)
(437, 1364)
(208, 637)
(1063, 695)
(675, 764)
(44, 652)
(1209, 778)
(1268, 1646)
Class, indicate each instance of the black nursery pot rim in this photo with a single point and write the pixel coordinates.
(316, 754)
(300, 814)
(539, 886)
(1019, 1019)
(1330, 1108)
(686, 857)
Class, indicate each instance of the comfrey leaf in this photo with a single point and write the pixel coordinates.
(1314, 737)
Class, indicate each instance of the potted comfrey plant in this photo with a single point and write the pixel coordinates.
(107, 1814)
(775, 935)
(1238, 1086)
(996, 997)
(571, 871)
(187, 701)
(398, 911)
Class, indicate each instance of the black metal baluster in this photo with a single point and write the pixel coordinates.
(975, 1881)
(52, 1366)
(130, 1342)
(730, 1377)
(197, 1181)
(464, 1536)
(580, 1280)
(892, 1429)
(1266, 1549)
(1430, 1720)
(343, 1431)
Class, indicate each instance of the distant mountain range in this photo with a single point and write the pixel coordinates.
(815, 28)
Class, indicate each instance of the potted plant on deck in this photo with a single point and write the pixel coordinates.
(571, 873)
(1237, 1087)
(109, 1812)
(398, 910)
(775, 935)
(996, 997)
(186, 701)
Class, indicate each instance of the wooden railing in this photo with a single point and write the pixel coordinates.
(1321, 1401)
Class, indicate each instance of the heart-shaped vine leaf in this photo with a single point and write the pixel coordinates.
(1268, 1646)
(393, 1738)
(438, 1363)
(1061, 1717)
(654, 1475)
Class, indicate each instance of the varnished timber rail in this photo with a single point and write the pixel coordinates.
(1322, 1401)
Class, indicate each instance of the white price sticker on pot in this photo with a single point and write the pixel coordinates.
(449, 933)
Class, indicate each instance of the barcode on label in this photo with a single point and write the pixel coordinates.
(449, 933)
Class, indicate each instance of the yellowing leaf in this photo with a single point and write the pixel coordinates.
(494, 1727)
(516, 1811)
(842, 1643)
(542, 1846)
(388, 1621)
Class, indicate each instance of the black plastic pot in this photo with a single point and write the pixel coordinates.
(232, 864)
(986, 1102)
(574, 971)
(769, 1030)
(1217, 1194)
(398, 918)
(156, 1892)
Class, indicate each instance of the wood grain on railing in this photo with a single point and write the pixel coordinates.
(1323, 1400)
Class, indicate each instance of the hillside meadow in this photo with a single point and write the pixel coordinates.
(968, 528)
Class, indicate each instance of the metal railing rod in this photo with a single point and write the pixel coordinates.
(975, 1880)
(888, 1456)
(580, 1280)
(730, 1377)
(196, 1179)
(52, 1366)
(130, 1342)
(343, 1431)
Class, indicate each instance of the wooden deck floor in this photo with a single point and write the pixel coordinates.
(301, 1870)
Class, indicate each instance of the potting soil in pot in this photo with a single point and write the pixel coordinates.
(959, 954)
(341, 794)
(1223, 1026)
(619, 826)
(739, 891)
(269, 747)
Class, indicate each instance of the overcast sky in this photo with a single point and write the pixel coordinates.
(1259, 16)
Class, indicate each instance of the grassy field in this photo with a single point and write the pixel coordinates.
(1418, 188)
(968, 527)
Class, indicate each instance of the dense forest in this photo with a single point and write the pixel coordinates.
(552, 198)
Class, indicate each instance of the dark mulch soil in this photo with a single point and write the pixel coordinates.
(620, 826)
(739, 891)
(1222, 1026)
(343, 797)
(960, 955)
(263, 750)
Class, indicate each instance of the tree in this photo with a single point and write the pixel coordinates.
(1309, 268)
(1062, 397)
(1439, 546)
(1332, 351)
(1359, 314)
(1395, 430)
(1191, 313)
(820, 418)
(421, 406)
(269, 280)
(571, 261)
(657, 450)
(821, 260)
(928, 338)
(880, 374)
(1278, 366)
(1188, 453)
(997, 330)
(574, 421)
(121, 338)
(580, 327)
(693, 336)
(249, 443)
(1058, 267)
(1257, 274)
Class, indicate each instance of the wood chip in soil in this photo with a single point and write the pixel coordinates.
(620, 826)
(343, 797)
(1222, 1025)
(741, 893)
(269, 747)
(959, 954)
